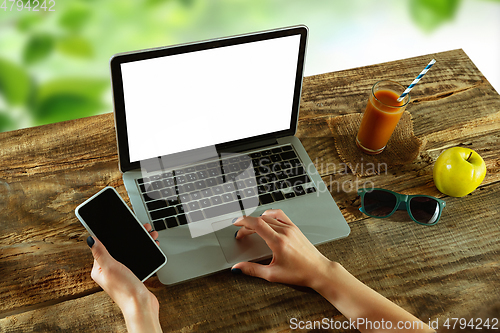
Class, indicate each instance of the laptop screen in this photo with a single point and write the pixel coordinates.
(196, 98)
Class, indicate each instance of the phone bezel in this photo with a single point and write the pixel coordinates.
(87, 227)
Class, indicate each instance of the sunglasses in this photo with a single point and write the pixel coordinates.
(380, 203)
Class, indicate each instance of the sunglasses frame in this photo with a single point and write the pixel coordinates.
(402, 203)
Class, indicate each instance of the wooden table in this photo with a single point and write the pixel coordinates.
(434, 272)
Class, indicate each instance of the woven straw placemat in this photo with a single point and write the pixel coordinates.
(403, 146)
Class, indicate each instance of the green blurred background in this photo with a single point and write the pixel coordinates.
(54, 64)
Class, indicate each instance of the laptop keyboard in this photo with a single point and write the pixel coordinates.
(225, 186)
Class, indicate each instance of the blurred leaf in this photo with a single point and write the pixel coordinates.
(429, 14)
(39, 47)
(75, 17)
(75, 46)
(72, 98)
(187, 3)
(65, 107)
(15, 83)
(28, 21)
(6, 122)
(154, 2)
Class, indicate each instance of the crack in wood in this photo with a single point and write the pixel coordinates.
(443, 95)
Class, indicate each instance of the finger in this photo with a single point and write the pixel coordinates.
(100, 254)
(254, 269)
(148, 227)
(279, 215)
(243, 232)
(259, 226)
(274, 223)
(154, 234)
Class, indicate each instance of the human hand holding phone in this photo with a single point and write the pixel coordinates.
(139, 306)
(107, 217)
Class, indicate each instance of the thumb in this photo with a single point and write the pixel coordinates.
(99, 252)
(252, 269)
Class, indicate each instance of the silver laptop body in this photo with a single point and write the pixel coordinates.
(205, 134)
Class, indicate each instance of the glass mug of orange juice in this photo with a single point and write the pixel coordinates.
(381, 116)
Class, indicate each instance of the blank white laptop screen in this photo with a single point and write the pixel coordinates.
(186, 101)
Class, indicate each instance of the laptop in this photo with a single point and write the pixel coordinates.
(205, 134)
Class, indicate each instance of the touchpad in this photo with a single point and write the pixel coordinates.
(249, 248)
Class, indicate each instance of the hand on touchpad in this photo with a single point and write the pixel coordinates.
(249, 248)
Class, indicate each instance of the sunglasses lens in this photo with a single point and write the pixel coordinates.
(379, 203)
(424, 210)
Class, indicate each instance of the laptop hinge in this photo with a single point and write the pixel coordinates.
(246, 146)
(200, 154)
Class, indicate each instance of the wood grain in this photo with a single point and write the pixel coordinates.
(433, 272)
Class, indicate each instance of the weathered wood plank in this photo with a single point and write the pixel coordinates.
(434, 272)
(51, 169)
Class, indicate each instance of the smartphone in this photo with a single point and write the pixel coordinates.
(107, 217)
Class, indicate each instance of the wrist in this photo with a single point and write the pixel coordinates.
(326, 276)
(142, 314)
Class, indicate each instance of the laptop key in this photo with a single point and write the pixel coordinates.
(157, 185)
(217, 190)
(289, 195)
(299, 180)
(202, 174)
(211, 182)
(200, 184)
(161, 213)
(278, 196)
(229, 187)
(217, 200)
(214, 172)
(275, 158)
(195, 195)
(299, 190)
(311, 190)
(181, 179)
(157, 204)
(288, 147)
(288, 155)
(204, 203)
(168, 182)
(255, 155)
(167, 192)
(191, 177)
(193, 205)
(195, 216)
(206, 192)
(266, 198)
(172, 201)
(276, 150)
(154, 195)
(171, 222)
(180, 209)
(281, 184)
(184, 198)
(226, 197)
(189, 187)
(182, 219)
(159, 225)
(226, 208)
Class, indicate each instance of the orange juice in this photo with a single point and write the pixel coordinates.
(381, 116)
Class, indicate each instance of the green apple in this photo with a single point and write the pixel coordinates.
(458, 171)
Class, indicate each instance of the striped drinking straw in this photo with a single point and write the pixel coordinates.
(410, 87)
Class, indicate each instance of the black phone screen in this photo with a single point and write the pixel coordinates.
(125, 239)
